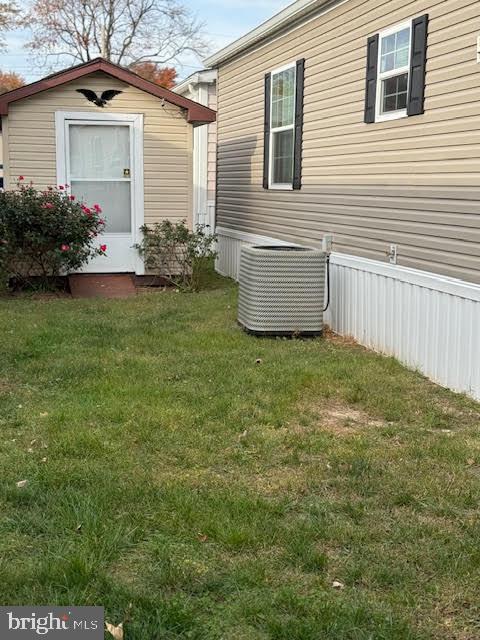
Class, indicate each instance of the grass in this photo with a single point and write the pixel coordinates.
(173, 477)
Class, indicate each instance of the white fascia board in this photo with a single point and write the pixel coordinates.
(208, 76)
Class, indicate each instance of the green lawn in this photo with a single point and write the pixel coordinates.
(172, 476)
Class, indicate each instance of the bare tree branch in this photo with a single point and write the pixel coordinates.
(128, 32)
(9, 18)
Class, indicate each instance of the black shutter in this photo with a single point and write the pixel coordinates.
(266, 132)
(416, 92)
(297, 158)
(371, 84)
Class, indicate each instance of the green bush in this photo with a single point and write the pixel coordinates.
(45, 234)
(174, 253)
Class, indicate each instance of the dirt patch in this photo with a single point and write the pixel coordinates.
(6, 386)
(335, 338)
(341, 418)
(462, 415)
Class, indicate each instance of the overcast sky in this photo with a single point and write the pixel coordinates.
(225, 21)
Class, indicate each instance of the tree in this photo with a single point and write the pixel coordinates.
(126, 32)
(10, 80)
(8, 18)
(163, 76)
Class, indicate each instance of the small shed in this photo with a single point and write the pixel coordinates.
(115, 139)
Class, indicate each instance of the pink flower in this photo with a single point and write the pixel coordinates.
(103, 247)
(72, 198)
(47, 205)
(61, 187)
(21, 178)
(87, 211)
(65, 247)
(101, 221)
(97, 208)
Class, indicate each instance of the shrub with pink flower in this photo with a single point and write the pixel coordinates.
(46, 233)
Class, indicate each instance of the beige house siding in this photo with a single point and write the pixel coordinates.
(414, 182)
(167, 141)
(212, 144)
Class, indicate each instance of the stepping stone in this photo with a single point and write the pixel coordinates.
(87, 285)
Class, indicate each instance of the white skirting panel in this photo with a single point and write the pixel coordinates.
(429, 322)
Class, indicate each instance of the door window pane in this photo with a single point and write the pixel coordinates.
(99, 151)
(282, 157)
(113, 197)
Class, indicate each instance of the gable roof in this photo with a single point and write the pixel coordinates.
(286, 19)
(196, 113)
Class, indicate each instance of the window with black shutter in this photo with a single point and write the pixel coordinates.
(396, 60)
(283, 127)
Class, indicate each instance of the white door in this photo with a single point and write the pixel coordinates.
(102, 165)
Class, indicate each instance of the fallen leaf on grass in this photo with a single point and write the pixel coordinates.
(258, 361)
(22, 483)
(43, 460)
(79, 528)
(336, 584)
(116, 632)
(202, 537)
(44, 414)
(243, 435)
(470, 462)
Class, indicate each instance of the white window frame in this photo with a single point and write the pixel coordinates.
(402, 113)
(278, 185)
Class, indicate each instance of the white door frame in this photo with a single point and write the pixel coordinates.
(136, 121)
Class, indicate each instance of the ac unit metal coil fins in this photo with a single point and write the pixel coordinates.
(282, 290)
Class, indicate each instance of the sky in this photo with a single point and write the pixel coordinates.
(225, 21)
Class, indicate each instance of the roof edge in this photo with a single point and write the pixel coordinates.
(293, 12)
(207, 76)
(196, 113)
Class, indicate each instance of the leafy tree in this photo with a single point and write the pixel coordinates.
(163, 76)
(9, 81)
(126, 32)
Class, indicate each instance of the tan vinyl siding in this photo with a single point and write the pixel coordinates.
(212, 144)
(167, 141)
(414, 182)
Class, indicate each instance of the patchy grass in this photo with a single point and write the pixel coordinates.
(221, 497)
